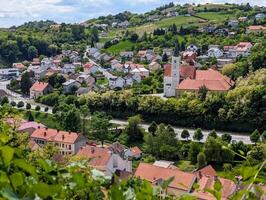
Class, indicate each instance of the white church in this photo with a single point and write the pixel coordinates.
(172, 78)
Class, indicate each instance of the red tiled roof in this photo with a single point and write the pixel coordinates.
(39, 86)
(99, 156)
(228, 188)
(55, 135)
(135, 151)
(152, 173)
(256, 28)
(88, 65)
(187, 71)
(27, 125)
(206, 171)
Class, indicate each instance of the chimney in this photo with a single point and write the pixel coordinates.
(44, 134)
(63, 137)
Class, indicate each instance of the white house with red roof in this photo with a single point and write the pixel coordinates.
(241, 49)
(256, 29)
(104, 159)
(39, 89)
(69, 143)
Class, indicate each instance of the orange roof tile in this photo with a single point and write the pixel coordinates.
(39, 86)
(257, 27)
(152, 173)
(206, 171)
(135, 151)
(99, 157)
(55, 135)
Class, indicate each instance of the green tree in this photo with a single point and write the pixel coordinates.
(203, 90)
(214, 151)
(201, 160)
(37, 108)
(198, 135)
(4, 101)
(25, 83)
(194, 150)
(133, 130)
(29, 116)
(100, 126)
(152, 128)
(226, 137)
(213, 134)
(32, 52)
(165, 58)
(85, 113)
(255, 136)
(72, 120)
(28, 106)
(185, 134)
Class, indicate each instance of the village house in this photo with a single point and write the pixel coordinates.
(127, 54)
(9, 73)
(223, 61)
(69, 143)
(116, 82)
(141, 71)
(68, 69)
(189, 56)
(182, 183)
(24, 126)
(90, 68)
(192, 47)
(19, 66)
(206, 178)
(70, 85)
(233, 23)
(39, 89)
(215, 51)
(86, 78)
(153, 66)
(104, 160)
(243, 19)
(35, 61)
(116, 65)
(241, 49)
(256, 29)
(47, 63)
(260, 16)
(133, 152)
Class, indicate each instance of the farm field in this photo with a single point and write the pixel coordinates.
(121, 46)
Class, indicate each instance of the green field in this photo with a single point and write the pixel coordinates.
(121, 46)
(215, 17)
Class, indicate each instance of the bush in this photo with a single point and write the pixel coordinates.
(46, 109)
(28, 106)
(4, 101)
(20, 104)
(13, 103)
(37, 108)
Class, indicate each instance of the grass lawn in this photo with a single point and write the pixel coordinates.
(121, 46)
(185, 166)
(102, 81)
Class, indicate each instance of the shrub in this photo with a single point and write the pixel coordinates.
(28, 106)
(20, 104)
(4, 101)
(46, 109)
(13, 103)
(37, 108)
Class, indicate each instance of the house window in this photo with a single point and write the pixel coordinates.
(69, 147)
(115, 162)
(63, 145)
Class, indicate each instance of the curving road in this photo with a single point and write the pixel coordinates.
(16, 97)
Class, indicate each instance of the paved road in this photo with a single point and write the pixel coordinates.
(235, 136)
(178, 130)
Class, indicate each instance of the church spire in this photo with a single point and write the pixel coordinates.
(176, 51)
